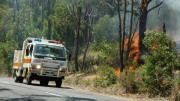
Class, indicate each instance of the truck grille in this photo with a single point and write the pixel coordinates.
(50, 71)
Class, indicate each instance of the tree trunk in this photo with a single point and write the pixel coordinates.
(17, 25)
(77, 38)
(88, 39)
(49, 21)
(123, 36)
(14, 11)
(130, 29)
(142, 28)
(42, 14)
(120, 36)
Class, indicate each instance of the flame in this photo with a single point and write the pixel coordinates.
(153, 47)
(145, 3)
(117, 71)
(134, 51)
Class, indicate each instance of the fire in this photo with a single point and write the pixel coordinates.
(153, 47)
(117, 71)
(134, 52)
(145, 3)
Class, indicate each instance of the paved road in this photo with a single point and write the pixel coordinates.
(11, 91)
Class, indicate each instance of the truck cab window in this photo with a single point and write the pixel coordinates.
(27, 51)
(31, 50)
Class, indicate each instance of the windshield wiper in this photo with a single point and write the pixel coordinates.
(38, 55)
(60, 58)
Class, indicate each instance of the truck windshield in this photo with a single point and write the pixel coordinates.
(49, 51)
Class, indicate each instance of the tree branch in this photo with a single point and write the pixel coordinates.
(129, 11)
(155, 6)
(148, 2)
(109, 5)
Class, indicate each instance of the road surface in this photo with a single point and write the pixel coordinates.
(11, 91)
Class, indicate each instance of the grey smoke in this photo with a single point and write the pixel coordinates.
(174, 4)
(168, 13)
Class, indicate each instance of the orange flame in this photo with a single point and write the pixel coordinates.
(117, 71)
(134, 51)
(145, 3)
(153, 47)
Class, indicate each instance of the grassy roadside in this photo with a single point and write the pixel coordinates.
(86, 82)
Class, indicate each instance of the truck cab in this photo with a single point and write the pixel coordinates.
(42, 60)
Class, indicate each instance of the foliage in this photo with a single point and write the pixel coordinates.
(109, 51)
(93, 60)
(6, 51)
(130, 81)
(106, 28)
(106, 77)
(158, 63)
(175, 94)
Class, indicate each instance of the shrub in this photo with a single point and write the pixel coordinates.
(175, 93)
(130, 81)
(106, 77)
(159, 62)
(92, 59)
(109, 52)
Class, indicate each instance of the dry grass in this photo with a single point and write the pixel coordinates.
(85, 82)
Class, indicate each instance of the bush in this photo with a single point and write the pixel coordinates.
(130, 81)
(158, 63)
(106, 77)
(92, 59)
(175, 93)
(109, 52)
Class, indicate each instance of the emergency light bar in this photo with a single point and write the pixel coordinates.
(37, 39)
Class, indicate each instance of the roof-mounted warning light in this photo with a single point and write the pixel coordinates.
(58, 42)
(38, 39)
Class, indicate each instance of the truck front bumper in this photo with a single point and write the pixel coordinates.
(35, 76)
(47, 73)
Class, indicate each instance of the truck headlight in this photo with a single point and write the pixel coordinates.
(38, 66)
(62, 69)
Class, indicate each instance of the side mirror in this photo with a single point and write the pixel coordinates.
(27, 52)
(69, 58)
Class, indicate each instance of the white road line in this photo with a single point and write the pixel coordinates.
(53, 94)
(4, 82)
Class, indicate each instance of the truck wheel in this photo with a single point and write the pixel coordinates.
(21, 79)
(58, 83)
(16, 79)
(29, 80)
(14, 73)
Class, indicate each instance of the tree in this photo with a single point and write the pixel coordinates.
(49, 21)
(88, 19)
(79, 11)
(143, 19)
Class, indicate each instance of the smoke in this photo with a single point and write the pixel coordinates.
(171, 16)
(174, 4)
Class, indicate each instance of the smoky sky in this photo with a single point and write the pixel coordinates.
(169, 14)
(173, 4)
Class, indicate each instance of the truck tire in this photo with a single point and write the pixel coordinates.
(29, 80)
(21, 79)
(58, 83)
(16, 79)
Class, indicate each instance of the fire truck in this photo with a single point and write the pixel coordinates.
(42, 60)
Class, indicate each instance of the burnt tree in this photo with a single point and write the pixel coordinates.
(143, 20)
